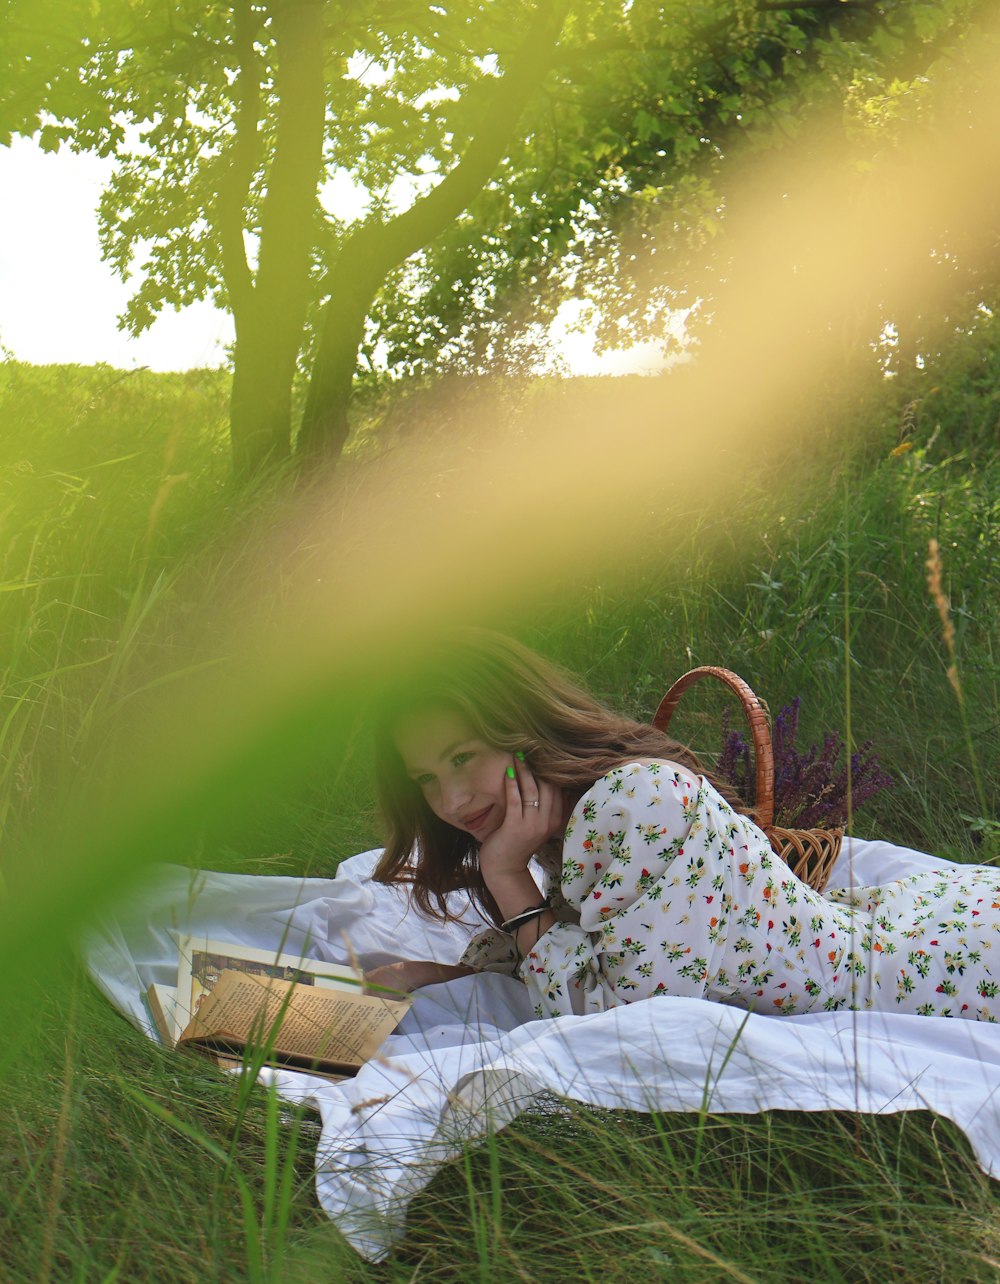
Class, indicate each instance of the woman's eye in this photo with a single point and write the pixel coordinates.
(422, 781)
(460, 759)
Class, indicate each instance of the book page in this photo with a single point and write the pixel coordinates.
(160, 1002)
(232, 1063)
(202, 962)
(295, 1022)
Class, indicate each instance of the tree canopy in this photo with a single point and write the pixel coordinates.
(499, 158)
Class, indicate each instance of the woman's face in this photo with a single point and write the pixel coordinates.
(460, 776)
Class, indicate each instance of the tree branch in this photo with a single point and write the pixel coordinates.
(234, 185)
(377, 248)
(409, 231)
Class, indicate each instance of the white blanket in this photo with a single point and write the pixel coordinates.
(469, 1056)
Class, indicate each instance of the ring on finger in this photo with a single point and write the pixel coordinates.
(532, 804)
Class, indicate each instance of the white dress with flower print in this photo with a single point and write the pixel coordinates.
(664, 889)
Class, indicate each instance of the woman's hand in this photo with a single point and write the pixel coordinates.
(411, 974)
(535, 812)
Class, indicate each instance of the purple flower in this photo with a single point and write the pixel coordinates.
(734, 761)
(811, 786)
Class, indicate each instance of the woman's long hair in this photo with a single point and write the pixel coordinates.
(513, 700)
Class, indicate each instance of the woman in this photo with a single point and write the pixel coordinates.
(655, 882)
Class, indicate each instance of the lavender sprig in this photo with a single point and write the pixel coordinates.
(734, 761)
(811, 786)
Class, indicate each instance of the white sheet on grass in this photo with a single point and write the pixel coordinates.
(469, 1056)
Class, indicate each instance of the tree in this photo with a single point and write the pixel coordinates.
(235, 115)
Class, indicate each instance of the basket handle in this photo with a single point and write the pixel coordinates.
(754, 710)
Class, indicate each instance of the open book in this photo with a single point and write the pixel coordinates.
(235, 1001)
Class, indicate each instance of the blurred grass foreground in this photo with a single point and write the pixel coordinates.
(184, 675)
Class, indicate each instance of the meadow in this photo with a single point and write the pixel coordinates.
(120, 546)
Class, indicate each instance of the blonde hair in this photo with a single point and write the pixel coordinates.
(513, 700)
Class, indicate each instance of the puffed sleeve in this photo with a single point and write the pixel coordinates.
(628, 872)
(491, 951)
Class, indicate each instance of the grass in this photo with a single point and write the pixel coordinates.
(118, 540)
(806, 1196)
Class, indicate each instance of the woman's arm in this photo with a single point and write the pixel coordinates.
(535, 812)
(412, 974)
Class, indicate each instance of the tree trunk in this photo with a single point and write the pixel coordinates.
(377, 248)
(260, 409)
(353, 284)
(270, 312)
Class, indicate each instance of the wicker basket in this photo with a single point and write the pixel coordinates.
(810, 853)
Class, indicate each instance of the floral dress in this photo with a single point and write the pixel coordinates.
(664, 889)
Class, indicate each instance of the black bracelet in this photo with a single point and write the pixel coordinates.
(525, 916)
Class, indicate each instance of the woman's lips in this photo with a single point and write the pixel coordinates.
(476, 821)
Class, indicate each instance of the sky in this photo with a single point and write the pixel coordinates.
(60, 303)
